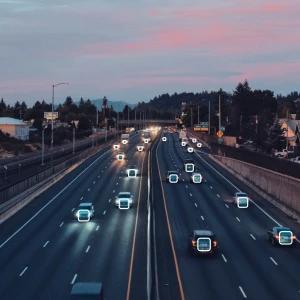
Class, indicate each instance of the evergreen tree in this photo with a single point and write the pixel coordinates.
(276, 139)
(68, 101)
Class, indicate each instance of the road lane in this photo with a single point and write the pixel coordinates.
(51, 270)
(251, 271)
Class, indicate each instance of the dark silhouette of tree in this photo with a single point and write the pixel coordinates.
(276, 139)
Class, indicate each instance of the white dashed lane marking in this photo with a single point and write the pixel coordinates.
(46, 244)
(88, 248)
(104, 212)
(97, 227)
(61, 224)
(252, 236)
(218, 195)
(89, 189)
(224, 258)
(74, 278)
(72, 209)
(238, 219)
(202, 218)
(195, 204)
(242, 291)
(81, 198)
(272, 259)
(226, 205)
(23, 271)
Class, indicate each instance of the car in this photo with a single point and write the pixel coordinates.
(281, 236)
(188, 161)
(240, 195)
(123, 195)
(208, 246)
(140, 148)
(85, 206)
(170, 173)
(196, 178)
(132, 169)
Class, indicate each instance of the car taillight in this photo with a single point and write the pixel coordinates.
(215, 244)
(194, 243)
(294, 237)
(276, 236)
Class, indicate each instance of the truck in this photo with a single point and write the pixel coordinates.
(182, 135)
(87, 290)
(125, 138)
(282, 153)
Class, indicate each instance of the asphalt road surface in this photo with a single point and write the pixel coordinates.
(44, 249)
(247, 266)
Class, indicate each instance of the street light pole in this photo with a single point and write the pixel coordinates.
(128, 116)
(52, 110)
(287, 134)
(219, 111)
(198, 115)
(191, 117)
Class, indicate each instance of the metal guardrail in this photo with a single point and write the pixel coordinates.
(19, 187)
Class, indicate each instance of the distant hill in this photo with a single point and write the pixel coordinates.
(117, 105)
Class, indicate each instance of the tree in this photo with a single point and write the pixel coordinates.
(276, 138)
(2, 106)
(68, 101)
(84, 123)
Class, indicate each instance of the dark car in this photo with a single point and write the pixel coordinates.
(281, 236)
(202, 242)
(171, 173)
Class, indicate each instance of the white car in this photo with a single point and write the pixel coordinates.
(190, 149)
(196, 178)
(242, 197)
(85, 207)
(124, 195)
(132, 171)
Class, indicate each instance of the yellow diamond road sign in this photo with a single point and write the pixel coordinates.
(219, 133)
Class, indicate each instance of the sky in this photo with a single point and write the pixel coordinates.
(135, 50)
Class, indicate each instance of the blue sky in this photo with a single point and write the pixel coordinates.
(133, 51)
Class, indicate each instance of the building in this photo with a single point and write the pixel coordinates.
(16, 128)
(292, 133)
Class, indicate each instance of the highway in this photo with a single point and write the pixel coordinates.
(44, 249)
(247, 266)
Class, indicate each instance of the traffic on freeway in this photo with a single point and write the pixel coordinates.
(149, 220)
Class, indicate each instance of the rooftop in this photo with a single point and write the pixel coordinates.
(10, 121)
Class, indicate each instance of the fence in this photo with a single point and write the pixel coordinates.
(19, 187)
(285, 189)
(258, 159)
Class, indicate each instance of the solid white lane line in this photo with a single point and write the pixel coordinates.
(97, 227)
(240, 191)
(74, 278)
(272, 259)
(81, 198)
(61, 224)
(46, 244)
(238, 219)
(202, 218)
(195, 204)
(191, 195)
(226, 205)
(218, 195)
(104, 212)
(242, 291)
(253, 236)
(72, 209)
(87, 249)
(224, 257)
(23, 271)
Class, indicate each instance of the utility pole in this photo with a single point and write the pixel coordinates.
(287, 134)
(128, 115)
(209, 116)
(135, 119)
(43, 142)
(73, 138)
(97, 122)
(198, 115)
(140, 120)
